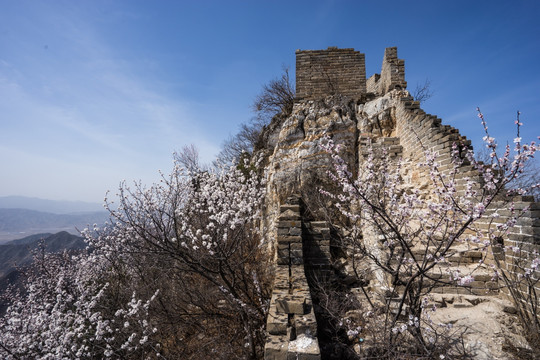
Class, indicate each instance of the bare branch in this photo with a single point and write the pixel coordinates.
(423, 92)
(276, 97)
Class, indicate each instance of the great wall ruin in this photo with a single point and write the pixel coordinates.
(334, 99)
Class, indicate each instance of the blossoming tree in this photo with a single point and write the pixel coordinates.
(179, 273)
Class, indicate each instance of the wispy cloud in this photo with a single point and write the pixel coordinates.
(82, 102)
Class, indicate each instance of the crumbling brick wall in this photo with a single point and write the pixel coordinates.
(392, 74)
(418, 132)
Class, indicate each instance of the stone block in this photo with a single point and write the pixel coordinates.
(295, 231)
(289, 239)
(289, 224)
(283, 253)
(304, 293)
(478, 284)
(304, 348)
(306, 324)
(319, 224)
(283, 231)
(291, 304)
(293, 200)
(324, 243)
(325, 232)
(463, 305)
(464, 290)
(283, 245)
(294, 208)
(481, 291)
(283, 261)
(276, 347)
(276, 323)
(290, 215)
(482, 277)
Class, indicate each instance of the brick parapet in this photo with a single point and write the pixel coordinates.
(372, 84)
(418, 132)
(517, 247)
(393, 72)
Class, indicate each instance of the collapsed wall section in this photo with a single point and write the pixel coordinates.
(320, 73)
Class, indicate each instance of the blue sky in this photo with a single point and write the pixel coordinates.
(93, 92)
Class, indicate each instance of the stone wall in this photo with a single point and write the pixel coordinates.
(417, 132)
(291, 323)
(320, 73)
(521, 245)
(392, 74)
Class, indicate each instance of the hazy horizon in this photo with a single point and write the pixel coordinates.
(22, 197)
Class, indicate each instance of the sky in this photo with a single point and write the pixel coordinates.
(93, 92)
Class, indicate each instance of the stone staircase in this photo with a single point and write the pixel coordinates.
(304, 255)
(291, 323)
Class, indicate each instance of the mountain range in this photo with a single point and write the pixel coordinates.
(50, 206)
(23, 216)
(19, 252)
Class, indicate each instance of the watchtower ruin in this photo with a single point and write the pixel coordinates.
(320, 73)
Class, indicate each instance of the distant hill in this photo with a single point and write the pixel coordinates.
(50, 206)
(19, 252)
(15, 223)
(28, 239)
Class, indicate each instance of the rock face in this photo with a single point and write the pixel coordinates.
(298, 164)
(298, 160)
